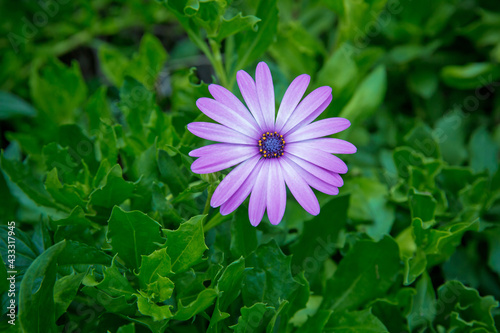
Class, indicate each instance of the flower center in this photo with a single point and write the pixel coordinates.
(271, 145)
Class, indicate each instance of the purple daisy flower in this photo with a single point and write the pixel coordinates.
(270, 151)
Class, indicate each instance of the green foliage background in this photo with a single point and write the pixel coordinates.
(113, 232)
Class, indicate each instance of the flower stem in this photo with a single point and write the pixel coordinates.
(210, 190)
(217, 63)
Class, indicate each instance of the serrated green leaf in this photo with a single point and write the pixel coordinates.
(153, 266)
(253, 318)
(464, 308)
(186, 245)
(66, 194)
(422, 205)
(133, 234)
(234, 25)
(113, 190)
(262, 284)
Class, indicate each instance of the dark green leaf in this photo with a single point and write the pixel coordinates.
(37, 311)
(367, 271)
(186, 245)
(133, 234)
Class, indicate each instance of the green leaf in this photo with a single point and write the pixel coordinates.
(252, 44)
(36, 298)
(65, 194)
(153, 266)
(483, 151)
(137, 103)
(186, 245)
(368, 96)
(422, 205)
(144, 66)
(356, 321)
(133, 234)
(262, 284)
(319, 238)
(130, 328)
(423, 82)
(21, 176)
(64, 85)
(113, 189)
(368, 202)
(234, 25)
(424, 304)
(12, 106)
(354, 15)
(229, 283)
(253, 319)
(150, 308)
(341, 74)
(470, 76)
(463, 307)
(114, 283)
(171, 172)
(148, 63)
(420, 138)
(65, 290)
(367, 271)
(76, 253)
(229, 286)
(112, 63)
(243, 235)
(202, 301)
(449, 132)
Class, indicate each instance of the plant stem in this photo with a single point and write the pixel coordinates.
(209, 197)
(217, 63)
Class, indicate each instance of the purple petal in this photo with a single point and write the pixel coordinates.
(232, 182)
(249, 93)
(292, 97)
(227, 98)
(257, 204)
(220, 156)
(318, 129)
(330, 145)
(329, 177)
(216, 132)
(317, 183)
(316, 156)
(242, 193)
(226, 116)
(299, 188)
(265, 92)
(308, 105)
(316, 112)
(276, 193)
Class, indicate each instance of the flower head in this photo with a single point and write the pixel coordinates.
(270, 152)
